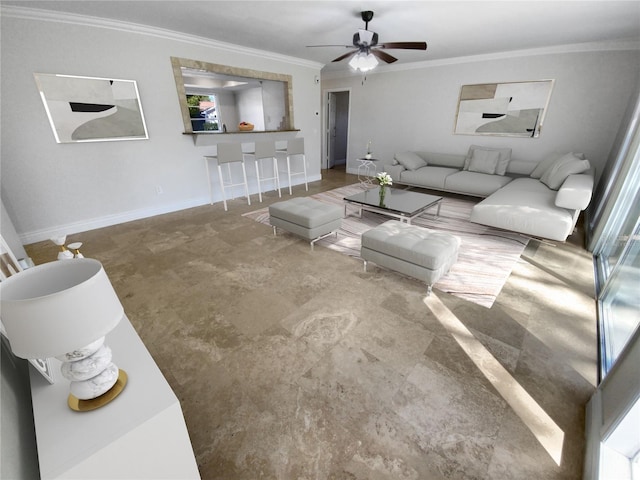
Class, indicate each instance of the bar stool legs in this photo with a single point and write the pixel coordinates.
(230, 183)
(295, 146)
(265, 151)
(230, 153)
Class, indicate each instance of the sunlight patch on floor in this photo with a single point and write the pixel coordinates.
(550, 436)
(573, 335)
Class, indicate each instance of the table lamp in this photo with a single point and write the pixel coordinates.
(64, 310)
(64, 253)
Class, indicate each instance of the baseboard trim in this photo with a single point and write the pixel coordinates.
(114, 219)
(106, 221)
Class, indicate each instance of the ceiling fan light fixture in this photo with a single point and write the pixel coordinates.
(363, 61)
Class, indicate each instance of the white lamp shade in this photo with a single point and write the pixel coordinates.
(363, 61)
(57, 307)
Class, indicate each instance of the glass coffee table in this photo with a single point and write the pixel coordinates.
(404, 205)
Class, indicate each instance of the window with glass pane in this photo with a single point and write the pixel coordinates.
(620, 300)
(204, 113)
(618, 263)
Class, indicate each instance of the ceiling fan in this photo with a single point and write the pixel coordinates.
(366, 49)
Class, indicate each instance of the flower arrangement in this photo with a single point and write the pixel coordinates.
(384, 179)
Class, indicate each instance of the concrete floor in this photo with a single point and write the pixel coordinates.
(293, 364)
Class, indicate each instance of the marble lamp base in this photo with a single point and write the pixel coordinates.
(95, 380)
(94, 403)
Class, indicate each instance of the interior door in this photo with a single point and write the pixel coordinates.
(331, 129)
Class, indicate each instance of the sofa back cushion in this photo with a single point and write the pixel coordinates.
(410, 160)
(549, 161)
(504, 155)
(544, 165)
(449, 160)
(483, 161)
(566, 165)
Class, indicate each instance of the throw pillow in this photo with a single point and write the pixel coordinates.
(410, 160)
(484, 161)
(501, 167)
(548, 161)
(566, 165)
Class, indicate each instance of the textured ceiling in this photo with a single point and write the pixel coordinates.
(450, 28)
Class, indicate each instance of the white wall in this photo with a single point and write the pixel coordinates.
(250, 108)
(52, 188)
(273, 99)
(227, 110)
(415, 109)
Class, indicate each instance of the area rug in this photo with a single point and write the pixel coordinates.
(486, 256)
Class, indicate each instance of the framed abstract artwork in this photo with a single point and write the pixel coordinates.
(513, 109)
(89, 109)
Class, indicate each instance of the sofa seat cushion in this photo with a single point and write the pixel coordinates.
(427, 177)
(525, 205)
(474, 183)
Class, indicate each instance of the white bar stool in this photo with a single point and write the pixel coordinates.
(228, 153)
(295, 146)
(265, 151)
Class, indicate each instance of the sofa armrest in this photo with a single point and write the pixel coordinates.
(575, 192)
(393, 170)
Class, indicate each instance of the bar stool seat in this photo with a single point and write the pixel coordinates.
(228, 153)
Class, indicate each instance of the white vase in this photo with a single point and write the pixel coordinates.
(368, 156)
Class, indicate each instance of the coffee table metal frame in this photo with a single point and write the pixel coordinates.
(411, 204)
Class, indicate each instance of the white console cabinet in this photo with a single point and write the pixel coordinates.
(139, 435)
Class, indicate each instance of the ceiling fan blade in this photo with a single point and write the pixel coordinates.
(384, 56)
(343, 46)
(346, 55)
(405, 45)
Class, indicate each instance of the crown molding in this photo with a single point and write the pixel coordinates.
(24, 13)
(606, 46)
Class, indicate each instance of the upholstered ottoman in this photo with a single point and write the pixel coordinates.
(306, 217)
(414, 251)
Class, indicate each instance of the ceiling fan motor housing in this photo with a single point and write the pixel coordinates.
(365, 38)
(367, 15)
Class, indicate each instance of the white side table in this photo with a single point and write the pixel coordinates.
(368, 169)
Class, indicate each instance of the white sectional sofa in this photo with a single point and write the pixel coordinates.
(539, 199)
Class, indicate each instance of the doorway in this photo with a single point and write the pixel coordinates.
(337, 129)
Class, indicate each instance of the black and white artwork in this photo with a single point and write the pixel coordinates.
(89, 109)
(514, 109)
